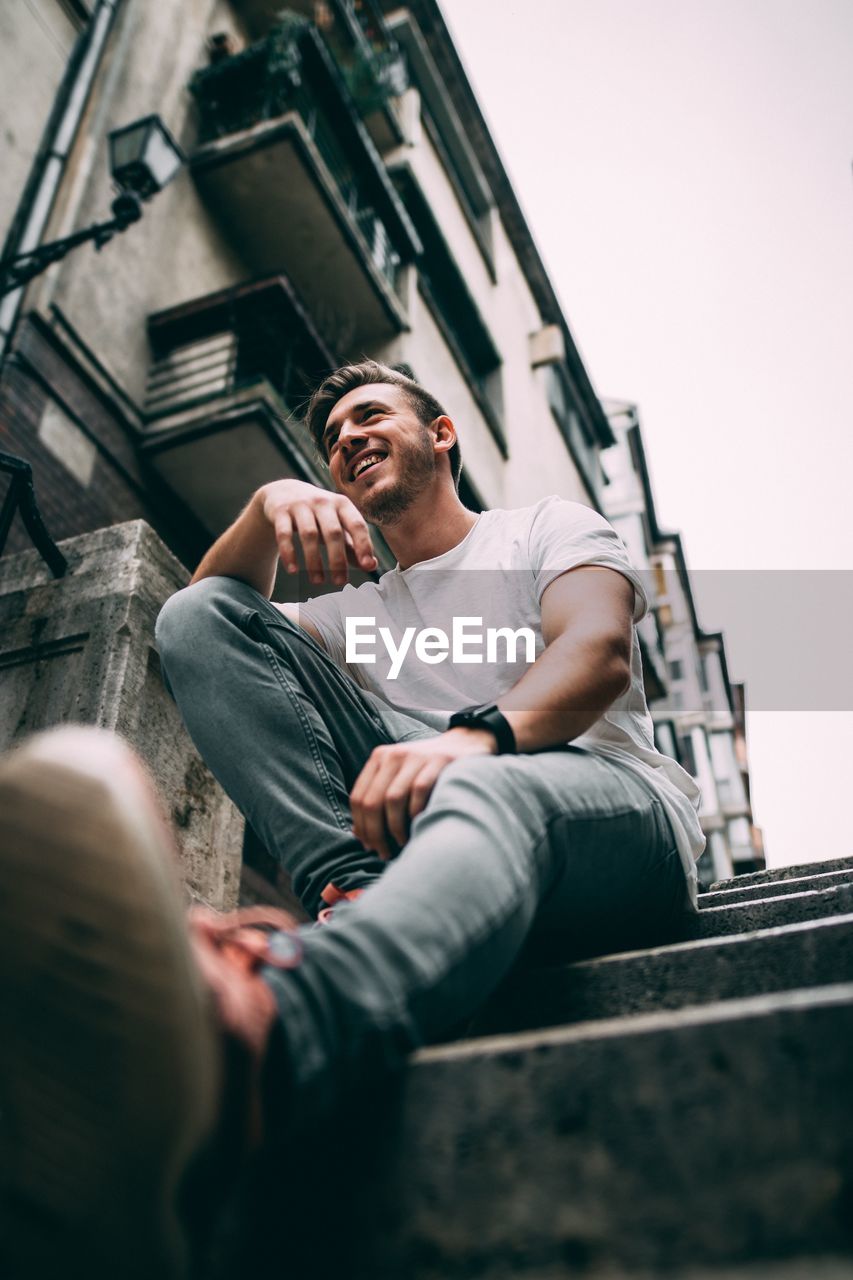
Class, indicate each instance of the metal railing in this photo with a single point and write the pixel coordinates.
(21, 496)
(268, 80)
(231, 340)
(582, 449)
(217, 366)
(192, 374)
(369, 59)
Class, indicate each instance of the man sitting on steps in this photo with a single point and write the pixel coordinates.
(449, 807)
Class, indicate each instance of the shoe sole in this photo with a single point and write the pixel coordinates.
(108, 1055)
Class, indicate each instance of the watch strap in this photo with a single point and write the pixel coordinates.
(488, 717)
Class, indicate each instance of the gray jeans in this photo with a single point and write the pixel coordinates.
(559, 851)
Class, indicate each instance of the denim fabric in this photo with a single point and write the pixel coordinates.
(562, 851)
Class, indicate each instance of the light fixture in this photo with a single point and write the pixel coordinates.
(143, 158)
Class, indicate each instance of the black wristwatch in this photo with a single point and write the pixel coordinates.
(490, 718)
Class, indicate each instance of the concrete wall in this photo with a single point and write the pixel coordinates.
(36, 40)
(177, 252)
(426, 351)
(727, 773)
(538, 461)
(81, 649)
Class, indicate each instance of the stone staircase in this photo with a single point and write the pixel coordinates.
(682, 1111)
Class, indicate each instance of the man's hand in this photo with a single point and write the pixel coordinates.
(280, 516)
(397, 781)
(317, 519)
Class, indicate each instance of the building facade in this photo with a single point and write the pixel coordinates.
(342, 196)
(698, 713)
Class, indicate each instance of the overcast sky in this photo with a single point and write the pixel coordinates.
(685, 167)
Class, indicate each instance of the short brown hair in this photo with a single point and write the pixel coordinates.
(334, 387)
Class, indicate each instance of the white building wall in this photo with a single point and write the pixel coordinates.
(177, 252)
(717, 699)
(538, 461)
(434, 181)
(710, 805)
(425, 350)
(740, 839)
(631, 530)
(720, 856)
(727, 773)
(36, 41)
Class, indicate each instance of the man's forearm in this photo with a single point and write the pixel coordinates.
(567, 689)
(246, 551)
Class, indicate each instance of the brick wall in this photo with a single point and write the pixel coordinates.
(41, 370)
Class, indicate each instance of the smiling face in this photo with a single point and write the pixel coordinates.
(381, 456)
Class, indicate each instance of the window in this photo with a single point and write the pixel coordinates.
(665, 738)
(676, 669)
(686, 754)
(457, 314)
(582, 448)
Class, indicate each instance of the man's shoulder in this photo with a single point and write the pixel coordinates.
(551, 510)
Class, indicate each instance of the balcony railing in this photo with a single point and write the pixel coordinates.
(230, 340)
(369, 58)
(367, 55)
(230, 375)
(581, 447)
(285, 73)
(445, 290)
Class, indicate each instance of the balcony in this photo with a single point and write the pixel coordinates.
(229, 373)
(287, 165)
(446, 133)
(445, 291)
(365, 52)
(732, 797)
(579, 442)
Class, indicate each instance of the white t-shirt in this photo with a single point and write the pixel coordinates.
(494, 578)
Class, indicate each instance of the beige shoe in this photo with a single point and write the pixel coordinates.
(110, 1057)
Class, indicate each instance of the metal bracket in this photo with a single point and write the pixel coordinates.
(17, 270)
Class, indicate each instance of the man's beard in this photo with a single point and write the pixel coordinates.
(416, 465)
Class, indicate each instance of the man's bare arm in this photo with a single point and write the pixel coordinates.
(247, 550)
(587, 628)
(280, 518)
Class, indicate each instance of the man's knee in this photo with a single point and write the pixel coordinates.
(191, 618)
(479, 786)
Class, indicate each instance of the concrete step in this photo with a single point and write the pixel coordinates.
(806, 1268)
(735, 892)
(788, 873)
(765, 913)
(689, 973)
(701, 1137)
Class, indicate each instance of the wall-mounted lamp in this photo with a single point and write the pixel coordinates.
(143, 158)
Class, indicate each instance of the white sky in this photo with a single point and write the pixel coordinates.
(685, 167)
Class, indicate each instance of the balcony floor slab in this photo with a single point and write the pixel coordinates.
(283, 209)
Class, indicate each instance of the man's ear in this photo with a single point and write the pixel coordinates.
(445, 433)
